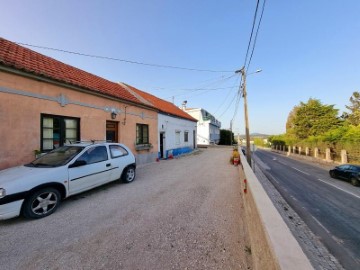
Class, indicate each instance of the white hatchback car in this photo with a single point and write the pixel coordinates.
(35, 190)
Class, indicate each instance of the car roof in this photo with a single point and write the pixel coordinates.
(87, 143)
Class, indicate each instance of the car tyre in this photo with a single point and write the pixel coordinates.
(41, 203)
(332, 174)
(128, 174)
(354, 181)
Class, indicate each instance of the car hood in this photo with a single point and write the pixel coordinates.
(22, 173)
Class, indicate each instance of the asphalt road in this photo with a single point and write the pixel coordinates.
(330, 207)
(184, 213)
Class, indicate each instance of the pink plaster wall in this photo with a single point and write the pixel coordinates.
(20, 118)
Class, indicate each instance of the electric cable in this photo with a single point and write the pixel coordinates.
(206, 90)
(257, 31)
(228, 94)
(125, 61)
(252, 31)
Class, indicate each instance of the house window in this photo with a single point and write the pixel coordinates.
(58, 130)
(177, 137)
(186, 136)
(142, 134)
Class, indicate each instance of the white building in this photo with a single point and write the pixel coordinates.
(176, 135)
(176, 128)
(208, 128)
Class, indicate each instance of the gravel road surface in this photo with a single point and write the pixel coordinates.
(185, 213)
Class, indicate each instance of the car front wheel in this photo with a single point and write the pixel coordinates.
(332, 174)
(41, 203)
(354, 181)
(129, 174)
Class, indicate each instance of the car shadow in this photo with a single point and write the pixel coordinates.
(69, 200)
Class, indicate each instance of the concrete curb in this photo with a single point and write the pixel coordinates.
(272, 244)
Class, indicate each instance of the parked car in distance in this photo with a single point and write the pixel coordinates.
(35, 190)
(347, 172)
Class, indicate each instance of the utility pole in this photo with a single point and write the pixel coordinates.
(231, 132)
(247, 133)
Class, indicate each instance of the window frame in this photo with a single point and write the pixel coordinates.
(177, 137)
(186, 136)
(140, 134)
(112, 146)
(62, 129)
(91, 149)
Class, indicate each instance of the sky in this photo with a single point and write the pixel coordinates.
(305, 49)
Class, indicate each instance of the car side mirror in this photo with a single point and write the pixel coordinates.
(78, 163)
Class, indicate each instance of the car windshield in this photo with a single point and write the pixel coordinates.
(58, 157)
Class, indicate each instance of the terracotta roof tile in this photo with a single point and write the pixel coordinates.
(21, 58)
(162, 105)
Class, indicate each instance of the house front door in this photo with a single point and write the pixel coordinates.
(162, 137)
(112, 131)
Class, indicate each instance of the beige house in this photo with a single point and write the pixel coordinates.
(46, 103)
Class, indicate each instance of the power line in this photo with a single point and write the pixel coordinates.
(228, 94)
(227, 108)
(239, 94)
(126, 61)
(201, 89)
(206, 89)
(257, 31)
(252, 31)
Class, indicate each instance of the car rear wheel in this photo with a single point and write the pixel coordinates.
(129, 174)
(354, 181)
(41, 203)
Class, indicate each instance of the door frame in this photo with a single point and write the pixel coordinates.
(115, 129)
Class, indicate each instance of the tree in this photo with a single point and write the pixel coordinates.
(312, 119)
(226, 136)
(278, 140)
(354, 116)
(290, 121)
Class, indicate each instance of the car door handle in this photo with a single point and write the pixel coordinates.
(108, 165)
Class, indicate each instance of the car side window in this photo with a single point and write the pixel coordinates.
(344, 167)
(94, 155)
(355, 169)
(117, 151)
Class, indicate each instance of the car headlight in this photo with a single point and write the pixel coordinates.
(2, 193)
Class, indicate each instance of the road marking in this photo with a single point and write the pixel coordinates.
(339, 188)
(300, 171)
(322, 226)
(282, 163)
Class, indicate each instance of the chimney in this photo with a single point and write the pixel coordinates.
(183, 105)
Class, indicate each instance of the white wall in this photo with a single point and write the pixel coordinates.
(206, 132)
(169, 126)
(203, 136)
